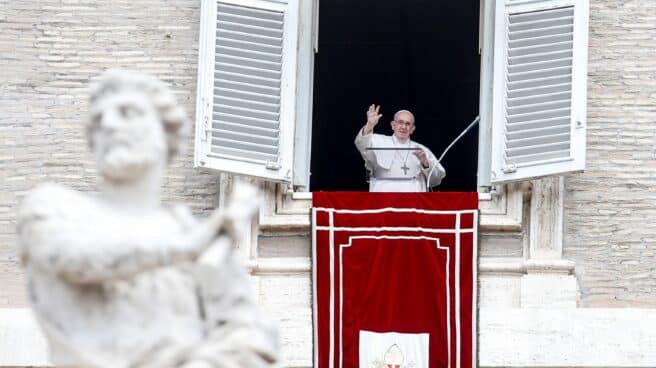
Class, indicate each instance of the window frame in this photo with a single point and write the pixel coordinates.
(289, 200)
(287, 206)
(285, 209)
(308, 47)
(489, 142)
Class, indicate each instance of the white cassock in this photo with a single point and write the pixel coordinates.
(397, 170)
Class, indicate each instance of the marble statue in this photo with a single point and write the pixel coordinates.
(120, 280)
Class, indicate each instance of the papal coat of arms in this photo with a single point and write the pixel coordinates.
(393, 350)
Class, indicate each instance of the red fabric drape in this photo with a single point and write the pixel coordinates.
(394, 262)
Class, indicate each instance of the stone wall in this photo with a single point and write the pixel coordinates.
(611, 208)
(50, 51)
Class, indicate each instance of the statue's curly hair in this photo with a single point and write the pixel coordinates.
(173, 116)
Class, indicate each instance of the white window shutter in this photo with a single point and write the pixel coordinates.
(539, 88)
(246, 87)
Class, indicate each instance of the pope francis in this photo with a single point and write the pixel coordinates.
(396, 163)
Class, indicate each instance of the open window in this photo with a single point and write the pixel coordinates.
(415, 55)
(257, 93)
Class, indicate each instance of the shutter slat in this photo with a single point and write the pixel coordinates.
(259, 22)
(542, 131)
(242, 155)
(245, 120)
(238, 136)
(539, 32)
(544, 64)
(248, 12)
(247, 79)
(540, 24)
(250, 63)
(538, 108)
(539, 157)
(541, 73)
(546, 114)
(219, 125)
(537, 149)
(250, 71)
(538, 140)
(537, 49)
(545, 56)
(541, 41)
(247, 37)
(539, 82)
(247, 104)
(250, 46)
(252, 29)
(221, 141)
(246, 112)
(536, 16)
(537, 123)
(247, 95)
(537, 99)
(247, 87)
(245, 53)
(535, 91)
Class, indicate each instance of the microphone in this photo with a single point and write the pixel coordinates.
(471, 125)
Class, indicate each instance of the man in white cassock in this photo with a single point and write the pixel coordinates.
(402, 165)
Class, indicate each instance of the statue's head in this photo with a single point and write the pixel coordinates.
(134, 125)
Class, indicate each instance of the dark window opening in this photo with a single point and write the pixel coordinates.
(418, 55)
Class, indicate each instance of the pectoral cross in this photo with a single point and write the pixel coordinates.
(405, 169)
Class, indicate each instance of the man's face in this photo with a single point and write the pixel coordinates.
(128, 136)
(403, 125)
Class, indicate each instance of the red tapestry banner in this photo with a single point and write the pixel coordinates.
(394, 278)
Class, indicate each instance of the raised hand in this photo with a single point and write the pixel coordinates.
(372, 118)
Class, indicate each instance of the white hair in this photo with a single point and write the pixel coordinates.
(404, 111)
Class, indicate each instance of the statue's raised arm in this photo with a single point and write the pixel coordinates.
(117, 279)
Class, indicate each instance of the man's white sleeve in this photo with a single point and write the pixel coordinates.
(435, 172)
(362, 142)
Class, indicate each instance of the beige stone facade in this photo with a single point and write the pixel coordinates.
(50, 51)
(610, 210)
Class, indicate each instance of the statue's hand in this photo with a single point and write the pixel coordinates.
(226, 225)
(243, 205)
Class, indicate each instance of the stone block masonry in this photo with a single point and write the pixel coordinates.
(51, 50)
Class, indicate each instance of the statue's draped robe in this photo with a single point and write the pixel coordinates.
(386, 167)
(108, 291)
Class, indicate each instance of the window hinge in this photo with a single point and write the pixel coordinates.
(510, 168)
(271, 165)
(206, 124)
(494, 192)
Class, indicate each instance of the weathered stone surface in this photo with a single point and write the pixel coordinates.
(50, 50)
(610, 210)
